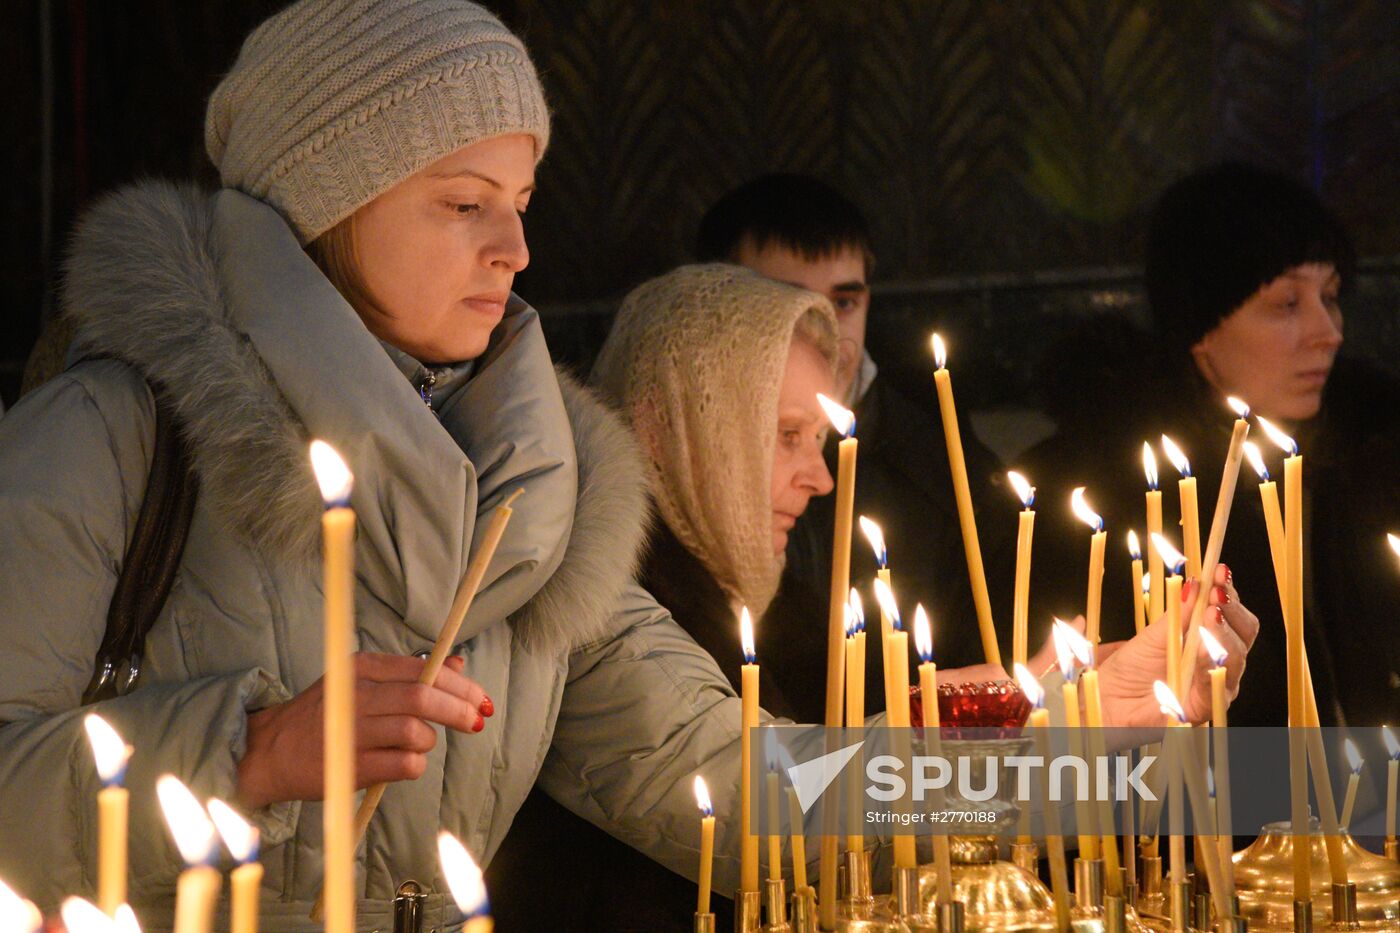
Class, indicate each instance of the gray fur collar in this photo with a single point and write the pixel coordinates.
(141, 285)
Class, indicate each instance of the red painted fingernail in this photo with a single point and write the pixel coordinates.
(486, 707)
(480, 723)
(1228, 575)
(1220, 596)
(1186, 592)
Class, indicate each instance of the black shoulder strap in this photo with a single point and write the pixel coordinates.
(152, 557)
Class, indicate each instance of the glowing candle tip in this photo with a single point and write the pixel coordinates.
(1024, 490)
(1167, 701)
(1174, 560)
(332, 474)
(1149, 465)
(1354, 758)
(1256, 460)
(842, 418)
(238, 834)
(923, 634)
(189, 824)
(940, 352)
(702, 797)
(885, 597)
(108, 750)
(876, 536)
(1214, 649)
(1134, 548)
(857, 609)
(1392, 747)
(1239, 406)
(746, 635)
(1030, 686)
(463, 876)
(1285, 443)
(1177, 456)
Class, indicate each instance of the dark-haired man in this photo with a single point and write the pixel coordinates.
(801, 231)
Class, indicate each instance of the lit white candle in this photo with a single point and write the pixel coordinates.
(245, 880)
(748, 695)
(1094, 599)
(466, 884)
(1139, 608)
(1219, 725)
(1190, 511)
(198, 888)
(1020, 644)
(933, 742)
(1356, 762)
(338, 688)
(1065, 648)
(111, 755)
(1156, 604)
(707, 843)
(1038, 724)
(1392, 748)
(897, 716)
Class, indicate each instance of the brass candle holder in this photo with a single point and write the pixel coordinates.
(1264, 880)
(1026, 856)
(775, 905)
(860, 895)
(703, 923)
(748, 911)
(804, 910)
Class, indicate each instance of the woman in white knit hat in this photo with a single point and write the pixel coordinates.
(350, 281)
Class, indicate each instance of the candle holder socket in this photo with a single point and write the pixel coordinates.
(804, 910)
(775, 905)
(1344, 915)
(1026, 856)
(1181, 906)
(1302, 917)
(950, 917)
(1200, 906)
(703, 923)
(906, 892)
(1088, 883)
(409, 902)
(1232, 925)
(748, 911)
(1115, 914)
(1392, 849)
(860, 899)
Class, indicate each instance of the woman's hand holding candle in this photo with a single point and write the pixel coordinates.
(393, 717)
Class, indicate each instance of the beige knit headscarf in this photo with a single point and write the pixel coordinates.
(333, 102)
(696, 361)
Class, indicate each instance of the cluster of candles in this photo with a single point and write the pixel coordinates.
(197, 829)
(1157, 589)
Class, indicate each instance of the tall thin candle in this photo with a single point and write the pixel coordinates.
(1219, 732)
(245, 880)
(897, 716)
(1356, 762)
(111, 755)
(876, 536)
(338, 687)
(1156, 605)
(1139, 590)
(1083, 650)
(1093, 600)
(748, 693)
(707, 843)
(844, 422)
(1038, 725)
(1024, 533)
(1190, 512)
(855, 715)
(1175, 563)
(1083, 809)
(933, 745)
(1392, 748)
(197, 889)
(952, 436)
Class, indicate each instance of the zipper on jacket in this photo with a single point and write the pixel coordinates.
(425, 388)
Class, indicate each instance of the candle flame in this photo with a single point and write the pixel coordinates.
(876, 536)
(746, 635)
(83, 916)
(124, 921)
(463, 876)
(1392, 747)
(1176, 456)
(885, 597)
(1284, 443)
(1239, 406)
(1394, 543)
(1174, 559)
(1083, 511)
(1024, 490)
(940, 352)
(1353, 756)
(1214, 649)
(1149, 465)
(842, 418)
(1167, 701)
(702, 797)
(1147, 582)
(1030, 686)
(238, 834)
(1080, 646)
(1134, 549)
(1066, 650)
(17, 914)
(923, 634)
(849, 616)
(108, 750)
(1256, 460)
(770, 747)
(332, 475)
(1210, 782)
(857, 608)
(189, 824)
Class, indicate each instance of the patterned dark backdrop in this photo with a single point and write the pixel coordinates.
(1005, 150)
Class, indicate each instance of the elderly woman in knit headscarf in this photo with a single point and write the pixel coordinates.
(718, 370)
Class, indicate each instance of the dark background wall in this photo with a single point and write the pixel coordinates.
(1005, 150)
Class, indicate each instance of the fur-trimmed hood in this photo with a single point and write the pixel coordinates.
(156, 278)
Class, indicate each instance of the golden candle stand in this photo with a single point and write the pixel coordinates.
(1264, 880)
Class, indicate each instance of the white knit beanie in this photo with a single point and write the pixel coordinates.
(333, 102)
